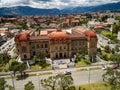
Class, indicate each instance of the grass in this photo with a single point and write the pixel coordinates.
(45, 73)
(108, 54)
(36, 67)
(86, 69)
(109, 35)
(106, 33)
(95, 86)
(30, 75)
(82, 62)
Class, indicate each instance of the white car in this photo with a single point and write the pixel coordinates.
(104, 67)
(67, 72)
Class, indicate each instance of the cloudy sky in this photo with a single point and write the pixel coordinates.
(53, 3)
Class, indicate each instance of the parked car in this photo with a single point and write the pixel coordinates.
(114, 67)
(67, 73)
(104, 67)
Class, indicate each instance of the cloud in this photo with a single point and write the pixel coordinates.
(53, 3)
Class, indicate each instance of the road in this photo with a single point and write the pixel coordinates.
(103, 41)
(9, 46)
(79, 77)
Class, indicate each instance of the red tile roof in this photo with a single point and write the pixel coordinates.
(39, 38)
(90, 33)
(59, 35)
(77, 36)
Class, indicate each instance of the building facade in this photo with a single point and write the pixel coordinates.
(56, 43)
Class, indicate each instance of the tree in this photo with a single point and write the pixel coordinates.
(38, 29)
(62, 81)
(24, 24)
(117, 48)
(2, 84)
(50, 82)
(115, 28)
(104, 18)
(43, 64)
(99, 50)
(113, 51)
(16, 66)
(84, 50)
(21, 67)
(4, 58)
(107, 49)
(29, 86)
(40, 55)
(115, 58)
(65, 81)
(113, 78)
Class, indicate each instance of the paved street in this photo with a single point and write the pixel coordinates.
(9, 47)
(103, 41)
(80, 77)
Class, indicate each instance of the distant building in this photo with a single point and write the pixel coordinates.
(56, 43)
(112, 21)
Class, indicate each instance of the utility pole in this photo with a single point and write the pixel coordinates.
(38, 81)
(89, 77)
(11, 73)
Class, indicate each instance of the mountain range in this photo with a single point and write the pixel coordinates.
(25, 10)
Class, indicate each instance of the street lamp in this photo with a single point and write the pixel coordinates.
(38, 81)
(11, 73)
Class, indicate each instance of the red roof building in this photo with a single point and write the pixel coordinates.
(56, 43)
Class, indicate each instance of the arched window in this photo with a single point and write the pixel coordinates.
(65, 55)
(56, 55)
(33, 53)
(25, 56)
(60, 48)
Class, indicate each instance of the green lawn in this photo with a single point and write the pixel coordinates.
(105, 33)
(108, 55)
(82, 62)
(109, 35)
(37, 67)
(96, 86)
(86, 69)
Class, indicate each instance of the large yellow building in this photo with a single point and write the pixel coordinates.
(56, 43)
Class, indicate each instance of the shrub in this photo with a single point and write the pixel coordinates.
(72, 88)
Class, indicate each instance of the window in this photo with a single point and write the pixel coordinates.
(34, 53)
(60, 48)
(56, 48)
(37, 46)
(46, 45)
(64, 47)
(65, 55)
(79, 42)
(24, 49)
(33, 47)
(41, 45)
(25, 56)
